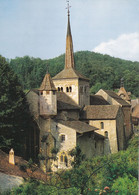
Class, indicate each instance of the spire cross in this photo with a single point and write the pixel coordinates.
(68, 7)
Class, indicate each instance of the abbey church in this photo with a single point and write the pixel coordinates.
(66, 116)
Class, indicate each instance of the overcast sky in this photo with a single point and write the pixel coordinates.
(38, 27)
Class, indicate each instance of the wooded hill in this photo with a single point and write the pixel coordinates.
(103, 71)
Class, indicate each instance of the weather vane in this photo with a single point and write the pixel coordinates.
(68, 7)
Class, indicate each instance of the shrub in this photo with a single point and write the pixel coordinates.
(125, 185)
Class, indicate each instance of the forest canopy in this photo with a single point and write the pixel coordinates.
(103, 71)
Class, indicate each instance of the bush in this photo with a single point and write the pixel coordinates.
(125, 185)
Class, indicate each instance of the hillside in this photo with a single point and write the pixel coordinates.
(102, 70)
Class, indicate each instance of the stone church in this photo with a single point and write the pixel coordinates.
(66, 115)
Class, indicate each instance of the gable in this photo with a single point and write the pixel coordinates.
(112, 97)
(97, 100)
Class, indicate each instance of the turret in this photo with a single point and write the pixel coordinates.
(47, 97)
(123, 93)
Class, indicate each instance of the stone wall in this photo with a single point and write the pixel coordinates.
(126, 111)
(73, 83)
(33, 100)
(84, 96)
(64, 146)
(48, 103)
(120, 129)
(89, 145)
(127, 121)
(110, 127)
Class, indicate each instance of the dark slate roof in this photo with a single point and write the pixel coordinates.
(47, 84)
(78, 126)
(64, 102)
(97, 100)
(99, 112)
(69, 73)
(116, 97)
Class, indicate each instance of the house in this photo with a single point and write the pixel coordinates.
(113, 99)
(109, 120)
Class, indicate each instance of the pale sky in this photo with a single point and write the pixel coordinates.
(38, 27)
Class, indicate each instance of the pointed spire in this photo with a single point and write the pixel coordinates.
(69, 58)
(47, 84)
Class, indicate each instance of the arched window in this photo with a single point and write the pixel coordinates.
(67, 89)
(41, 92)
(63, 158)
(102, 125)
(58, 88)
(106, 134)
(62, 138)
(62, 89)
(70, 89)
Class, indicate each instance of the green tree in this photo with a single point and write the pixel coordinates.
(14, 113)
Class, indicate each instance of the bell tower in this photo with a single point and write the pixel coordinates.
(69, 80)
(47, 97)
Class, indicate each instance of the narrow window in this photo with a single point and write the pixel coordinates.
(70, 89)
(67, 89)
(62, 89)
(102, 125)
(66, 160)
(41, 92)
(58, 88)
(62, 138)
(85, 89)
(54, 92)
(106, 134)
